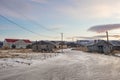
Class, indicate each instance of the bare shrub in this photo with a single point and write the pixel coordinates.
(5, 48)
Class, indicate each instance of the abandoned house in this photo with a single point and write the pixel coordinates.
(1, 44)
(43, 46)
(100, 46)
(115, 44)
(16, 43)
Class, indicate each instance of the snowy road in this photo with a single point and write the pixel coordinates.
(73, 65)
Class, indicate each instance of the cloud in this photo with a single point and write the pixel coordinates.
(100, 36)
(115, 36)
(40, 1)
(104, 36)
(78, 9)
(83, 37)
(104, 28)
(57, 27)
(20, 9)
(84, 9)
(7, 27)
(97, 37)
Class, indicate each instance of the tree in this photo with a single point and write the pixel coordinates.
(13, 46)
(29, 46)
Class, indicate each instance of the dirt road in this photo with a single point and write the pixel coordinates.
(73, 65)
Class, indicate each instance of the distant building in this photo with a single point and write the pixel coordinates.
(100, 46)
(16, 43)
(71, 44)
(83, 42)
(115, 44)
(44, 46)
(63, 45)
(1, 44)
(60, 44)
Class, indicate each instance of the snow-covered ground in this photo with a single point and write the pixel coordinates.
(24, 59)
(71, 65)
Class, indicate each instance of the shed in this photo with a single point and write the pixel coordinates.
(100, 46)
(43, 46)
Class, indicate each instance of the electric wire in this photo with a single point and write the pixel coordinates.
(18, 25)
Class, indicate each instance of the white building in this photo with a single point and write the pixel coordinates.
(17, 43)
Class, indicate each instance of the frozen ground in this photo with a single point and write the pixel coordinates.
(24, 59)
(72, 65)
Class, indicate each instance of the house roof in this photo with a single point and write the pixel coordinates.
(45, 42)
(89, 43)
(27, 41)
(99, 42)
(115, 43)
(11, 40)
(14, 40)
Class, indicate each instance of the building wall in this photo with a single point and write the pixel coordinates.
(101, 47)
(116, 47)
(41, 48)
(21, 44)
(18, 44)
(6, 44)
(92, 48)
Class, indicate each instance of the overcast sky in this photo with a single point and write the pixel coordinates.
(46, 19)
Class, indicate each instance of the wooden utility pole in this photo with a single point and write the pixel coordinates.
(107, 36)
(62, 41)
(108, 43)
(73, 39)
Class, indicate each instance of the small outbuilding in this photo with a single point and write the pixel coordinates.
(100, 46)
(43, 46)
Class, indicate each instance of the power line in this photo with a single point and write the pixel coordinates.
(23, 27)
(32, 21)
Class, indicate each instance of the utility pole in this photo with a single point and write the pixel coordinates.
(108, 42)
(107, 36)
(62, 41)
(73, 39)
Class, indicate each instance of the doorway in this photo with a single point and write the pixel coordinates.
(100, 49)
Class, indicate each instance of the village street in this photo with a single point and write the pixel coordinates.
(71, 65)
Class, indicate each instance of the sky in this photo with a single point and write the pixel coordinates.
(47, 19)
